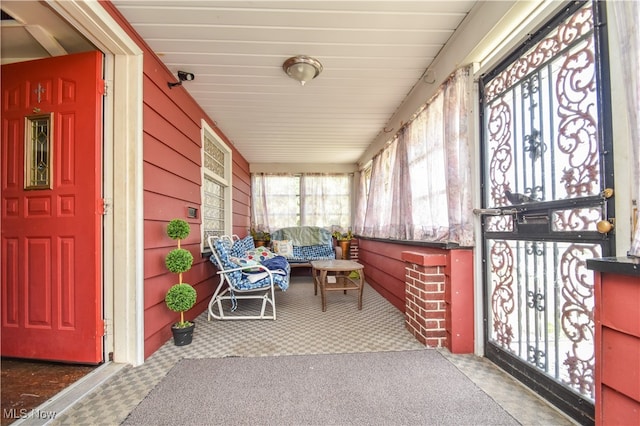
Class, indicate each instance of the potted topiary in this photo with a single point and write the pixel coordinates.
(182, 296)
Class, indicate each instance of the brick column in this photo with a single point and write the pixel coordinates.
(425, 308)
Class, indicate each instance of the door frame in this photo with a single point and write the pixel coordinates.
(123, 239)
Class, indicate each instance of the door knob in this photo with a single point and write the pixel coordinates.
(604, 226)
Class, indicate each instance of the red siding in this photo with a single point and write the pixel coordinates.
(617, 349)
(171, 135)
(241, 196)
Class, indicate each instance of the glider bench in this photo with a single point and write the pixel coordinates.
(302, 244)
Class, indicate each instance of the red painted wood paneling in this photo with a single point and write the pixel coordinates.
(171, 128)
(620, 302)
(159, 207)
(618, 409)
(172, 185)
(459, 299)
(617, 346)
(625, 379)
(165, 157)
(384, 270)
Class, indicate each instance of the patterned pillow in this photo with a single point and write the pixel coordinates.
(283, 247)
(259, 254)
(242, 261)
(241, 246)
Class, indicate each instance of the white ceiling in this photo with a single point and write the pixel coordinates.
(373, 53)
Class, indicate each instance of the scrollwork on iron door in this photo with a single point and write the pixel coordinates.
(502, 294)
(500, 162)
(543, 132)
(578, 316)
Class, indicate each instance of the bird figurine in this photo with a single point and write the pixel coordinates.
(516, 198)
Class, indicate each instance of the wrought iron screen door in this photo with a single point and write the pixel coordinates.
(546, 166)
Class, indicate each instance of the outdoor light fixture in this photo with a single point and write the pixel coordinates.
(182, 76)
(302, 68)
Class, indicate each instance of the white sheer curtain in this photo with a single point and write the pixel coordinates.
(275, 201)
(361, 201)
(457, 107)
(378, 213)
(428, 172)
(401, 217)
(281, 200)
(419, 183)
(627, 20)
(325, 200)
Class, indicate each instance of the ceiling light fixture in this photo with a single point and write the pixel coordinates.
(302, 68)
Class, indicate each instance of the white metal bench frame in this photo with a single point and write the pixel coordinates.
(227, 291)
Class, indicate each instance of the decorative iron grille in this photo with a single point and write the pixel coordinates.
(541, 145)
(541, 307)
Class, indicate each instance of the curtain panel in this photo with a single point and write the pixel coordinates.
(627, 20)
(311, 199)
(418, 187)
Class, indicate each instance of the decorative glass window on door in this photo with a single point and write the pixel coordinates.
(38, 151)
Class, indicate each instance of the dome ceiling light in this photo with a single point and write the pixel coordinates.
(302, 68)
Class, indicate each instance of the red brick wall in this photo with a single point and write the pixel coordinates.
(425, 304)
(439, 299)
(432, 286)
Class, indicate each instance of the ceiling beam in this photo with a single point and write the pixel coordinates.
(46, 40)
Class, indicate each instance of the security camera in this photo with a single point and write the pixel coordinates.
(182, 76)
(185, 76)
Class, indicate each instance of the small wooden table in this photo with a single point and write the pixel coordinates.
(343, 281)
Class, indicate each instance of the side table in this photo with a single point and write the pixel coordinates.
(343, 281)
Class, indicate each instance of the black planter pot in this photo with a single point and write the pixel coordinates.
(183, 336)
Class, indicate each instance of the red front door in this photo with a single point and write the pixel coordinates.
(51, 209)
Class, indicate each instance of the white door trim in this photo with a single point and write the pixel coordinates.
(123, 250)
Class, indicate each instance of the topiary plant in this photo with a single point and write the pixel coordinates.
(178, 229)
(179, 260)
(182, 296)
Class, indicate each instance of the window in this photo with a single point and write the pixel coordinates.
(38, 151)
(216, 185)
(309, 199)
